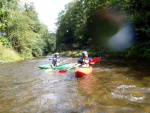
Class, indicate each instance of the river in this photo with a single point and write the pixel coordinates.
(116, 86)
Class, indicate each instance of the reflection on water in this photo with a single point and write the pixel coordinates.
(116, 86)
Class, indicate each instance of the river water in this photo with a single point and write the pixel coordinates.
(116, 86)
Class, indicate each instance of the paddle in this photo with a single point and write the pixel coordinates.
(91, 62)
(50, 69)
(94, 60)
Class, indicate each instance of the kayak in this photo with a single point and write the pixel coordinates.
(83, 71)
(45, 66)
(65, 66)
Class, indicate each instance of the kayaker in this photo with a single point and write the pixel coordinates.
(84, 60)
(55, 60)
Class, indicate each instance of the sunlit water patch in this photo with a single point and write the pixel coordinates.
(129, 92)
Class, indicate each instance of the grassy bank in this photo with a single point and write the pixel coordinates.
(75, 53)
(8, 55)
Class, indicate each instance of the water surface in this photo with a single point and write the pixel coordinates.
(116, 86)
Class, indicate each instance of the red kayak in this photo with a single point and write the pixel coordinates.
(83, 71)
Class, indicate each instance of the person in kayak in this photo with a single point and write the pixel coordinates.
(55, 60)
(84, 60)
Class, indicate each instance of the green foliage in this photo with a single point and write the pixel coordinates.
(5, 7)
(22, 30)
(4, 41)
(7, 54)
(71, 27)
(83, 24)
(88, 24)
(76, 53)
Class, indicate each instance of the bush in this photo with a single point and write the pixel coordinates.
(4, 41)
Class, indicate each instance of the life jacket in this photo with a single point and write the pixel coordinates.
(84, 62)
(54, 61)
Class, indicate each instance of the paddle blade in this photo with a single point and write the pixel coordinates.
(91, 62)
(95, 60)
(62, 71)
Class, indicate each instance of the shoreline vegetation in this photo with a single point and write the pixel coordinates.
(24, 36)
(8, 55)
(76, 53)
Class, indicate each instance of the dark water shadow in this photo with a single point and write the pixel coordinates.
(137, 68)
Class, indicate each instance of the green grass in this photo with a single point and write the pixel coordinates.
(8, 55)
(76, 53)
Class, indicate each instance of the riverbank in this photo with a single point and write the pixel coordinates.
(8, 55)
(74, 53)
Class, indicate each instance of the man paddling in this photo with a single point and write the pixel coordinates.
(84, 60)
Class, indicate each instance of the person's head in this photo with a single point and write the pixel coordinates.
(56, 55)
(84, 54)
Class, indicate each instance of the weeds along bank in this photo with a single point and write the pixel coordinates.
(8, 55)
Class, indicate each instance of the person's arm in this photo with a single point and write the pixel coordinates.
(73, 66)
(78, 62)
(90, 62)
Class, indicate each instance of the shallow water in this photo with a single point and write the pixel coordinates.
(116, 86)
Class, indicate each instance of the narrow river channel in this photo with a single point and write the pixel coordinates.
(116, 86)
